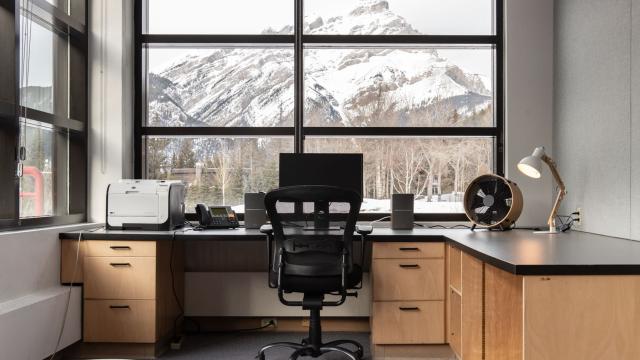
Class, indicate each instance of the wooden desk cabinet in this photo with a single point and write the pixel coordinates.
(513, 317)
(465, 304)
(408, 294)
(127, 289)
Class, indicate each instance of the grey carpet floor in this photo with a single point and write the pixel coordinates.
(245, 346)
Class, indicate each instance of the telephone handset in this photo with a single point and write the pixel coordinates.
(216, 217)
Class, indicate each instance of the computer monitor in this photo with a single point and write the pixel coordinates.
(341, 170)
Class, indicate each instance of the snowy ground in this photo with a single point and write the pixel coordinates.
(421, 206)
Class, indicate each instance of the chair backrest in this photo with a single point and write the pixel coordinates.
(313, 193)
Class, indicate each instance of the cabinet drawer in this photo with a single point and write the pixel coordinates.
(455, 268)
(408, 250)
(130, 321)
(120, 248)
(410, 279)
(407, 322)
(119, 277)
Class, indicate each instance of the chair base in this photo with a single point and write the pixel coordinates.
(306, 349)
(313, 346)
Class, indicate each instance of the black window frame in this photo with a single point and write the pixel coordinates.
(143, 40)
(70, 195)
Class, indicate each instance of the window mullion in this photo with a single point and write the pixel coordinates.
(9, 130)
(298, 74)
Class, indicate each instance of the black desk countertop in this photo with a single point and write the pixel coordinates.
(519, 252)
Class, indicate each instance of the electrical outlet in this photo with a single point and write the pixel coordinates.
(578, 217)
(267, 321)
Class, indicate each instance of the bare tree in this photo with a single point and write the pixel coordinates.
(222, 167)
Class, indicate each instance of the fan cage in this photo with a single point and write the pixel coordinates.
(492, 201)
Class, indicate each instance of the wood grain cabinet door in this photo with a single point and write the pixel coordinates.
(471, 306)
(408, 279)
(455, 275)
(119, 277)
(503, 314)
(408, 250)
(408, 322)
(455, 324)
(120, 248)
(131, 321)
(581, 317)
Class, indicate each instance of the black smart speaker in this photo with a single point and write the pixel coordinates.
(402, 211)
(255, 214)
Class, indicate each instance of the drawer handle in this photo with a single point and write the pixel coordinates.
(119, 264)
(415, 308)
(410, 266)
(409, 249)
(120, 247)
(119, 306)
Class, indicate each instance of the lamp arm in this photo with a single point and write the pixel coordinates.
(561, 192)
(554, 171)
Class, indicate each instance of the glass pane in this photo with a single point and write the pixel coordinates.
(398, 87)
(37, 67)
(217, 171)
(399, 17)
(436, 170)
(37, 181)
(220, 87)
(220, 17)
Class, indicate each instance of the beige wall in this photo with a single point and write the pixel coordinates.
(596, 107)
(529, 99)
(32, 301)
(110, 99)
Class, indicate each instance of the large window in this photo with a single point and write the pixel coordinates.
(43, 112)
(223, 87)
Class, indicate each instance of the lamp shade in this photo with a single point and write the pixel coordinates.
(532, 164)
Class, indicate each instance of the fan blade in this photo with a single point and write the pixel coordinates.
(487, 187)
(501, 209)
(481, 210)
(477, 202)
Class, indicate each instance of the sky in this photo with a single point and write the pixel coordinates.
(470, 17)
(41, 56)
(253, 16)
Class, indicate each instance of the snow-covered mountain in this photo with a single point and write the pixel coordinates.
(343, 87)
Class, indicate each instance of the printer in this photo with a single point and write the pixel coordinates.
(145, 205)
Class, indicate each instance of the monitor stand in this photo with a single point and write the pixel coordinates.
(321, 217)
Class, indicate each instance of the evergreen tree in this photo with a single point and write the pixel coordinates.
(157, 158)
(186, 158)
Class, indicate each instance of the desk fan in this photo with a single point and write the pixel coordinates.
(492, 202)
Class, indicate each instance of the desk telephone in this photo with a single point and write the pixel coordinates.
(216, 217)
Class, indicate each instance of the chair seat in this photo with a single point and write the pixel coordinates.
(313, 263)
(320, 284)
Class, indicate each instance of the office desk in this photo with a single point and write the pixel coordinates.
(507, 295)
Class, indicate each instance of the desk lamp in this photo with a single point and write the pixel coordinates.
(531, 166)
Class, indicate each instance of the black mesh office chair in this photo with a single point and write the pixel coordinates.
(314, 265)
